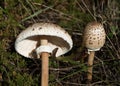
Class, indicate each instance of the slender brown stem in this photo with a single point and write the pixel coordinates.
(90, 65)
(45, 65)
(45, 69)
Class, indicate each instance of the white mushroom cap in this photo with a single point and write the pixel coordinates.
(94, 36)
(28, 41)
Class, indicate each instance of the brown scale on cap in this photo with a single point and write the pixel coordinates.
(94, 36)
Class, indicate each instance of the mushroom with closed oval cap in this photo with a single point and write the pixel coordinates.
(93, 40)
(39, 41)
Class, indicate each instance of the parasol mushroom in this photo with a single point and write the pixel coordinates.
(39, 41)
(94, 39)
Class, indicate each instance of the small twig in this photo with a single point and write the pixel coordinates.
(61, 13)
(88, 9)
(113, 47)
(70, 83)
(61, 69)
(58, 81)
(77, 33)
(102, 65)
(80, 6)
(96, 83)
(64, 69)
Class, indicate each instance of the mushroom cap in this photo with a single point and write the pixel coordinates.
(29, 40)
(94, 36)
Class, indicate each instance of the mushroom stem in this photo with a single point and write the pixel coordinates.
(45, 65)
(45, 69)
(90, 65)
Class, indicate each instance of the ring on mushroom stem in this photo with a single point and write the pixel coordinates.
(93, 40)
(40, 40)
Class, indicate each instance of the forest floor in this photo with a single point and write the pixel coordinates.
(72, 15)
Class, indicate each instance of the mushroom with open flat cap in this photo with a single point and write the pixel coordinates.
(94, 39)
(40, 40)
